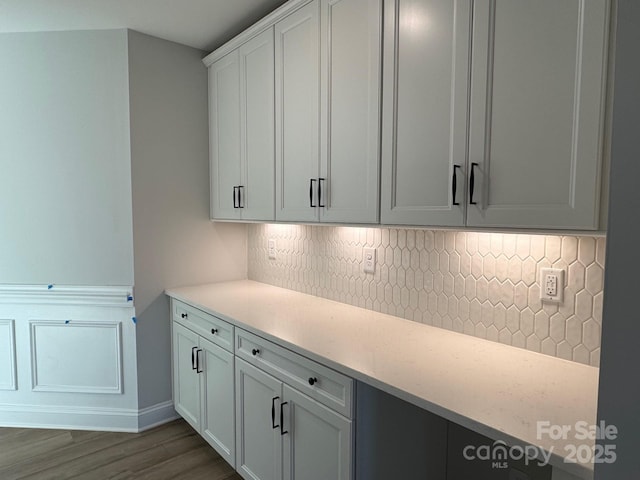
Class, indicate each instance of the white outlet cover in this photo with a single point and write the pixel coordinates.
(272, 248)
(369, 260)
(558, 273)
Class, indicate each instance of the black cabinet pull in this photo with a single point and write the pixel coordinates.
(282, 430)
(214, 331)
(313, 381)
(240, 197)
(255, 351)
(235, 202)
(273, 412)
(311, 192)
(472, 181)
(198, 361)
(183, 315)
(193, 359)
(320, 180)
(454, 185)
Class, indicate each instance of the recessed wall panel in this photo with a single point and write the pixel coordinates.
(76, 356)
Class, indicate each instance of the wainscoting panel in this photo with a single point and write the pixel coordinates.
(7, 355)
(68, 359)
(76, 356)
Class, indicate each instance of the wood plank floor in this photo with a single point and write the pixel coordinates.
(173, 452)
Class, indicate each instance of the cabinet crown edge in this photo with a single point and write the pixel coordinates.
(255, 29)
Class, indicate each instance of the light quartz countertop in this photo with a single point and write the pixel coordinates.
(493, 389)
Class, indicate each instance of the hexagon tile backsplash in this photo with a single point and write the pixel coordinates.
(481, 284)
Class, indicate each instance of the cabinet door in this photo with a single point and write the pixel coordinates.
(318, 445)
(258, 443)
(218, 415)
(257, 101)
(426, 78)
(350, 113)
(224, 137)
(186, 380)
(537, 106)
(297, 114)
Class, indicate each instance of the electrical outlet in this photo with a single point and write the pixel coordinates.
(272, 248)
(369, 260)
(551, 285)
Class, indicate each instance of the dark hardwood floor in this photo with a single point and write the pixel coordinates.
(173, 452)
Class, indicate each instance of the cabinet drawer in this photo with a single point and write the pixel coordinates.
(329, 387)
(210, 327)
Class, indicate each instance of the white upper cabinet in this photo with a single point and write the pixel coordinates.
(224, 136)
(537, 109)
(297, 114)
(350, 112)
(327, 112)
(484, 113)
(242, 131)
(498, 112)
(426, 78)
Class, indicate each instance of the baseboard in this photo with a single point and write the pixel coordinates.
(87, 418)
(156, 415)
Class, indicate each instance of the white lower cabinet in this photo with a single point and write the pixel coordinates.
(294, 416)
(257, 437)
(317, 444)
(203, 388)
(186, 382)
(218, 425)
(269, 412)
(284, 434)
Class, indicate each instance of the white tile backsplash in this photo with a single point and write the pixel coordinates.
(481, 284)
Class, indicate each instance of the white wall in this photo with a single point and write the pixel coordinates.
(65, 198)
(175, 242)
(619, 391)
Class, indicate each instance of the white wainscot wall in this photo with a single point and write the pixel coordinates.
(68, 359)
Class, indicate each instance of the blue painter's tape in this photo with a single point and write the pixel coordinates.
(134, 320)
(49, 287)
(66, 322)
(129, 298)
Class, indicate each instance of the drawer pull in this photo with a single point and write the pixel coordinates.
(198, 361)
(273, 412)
(255, 351)
(313, 381)
(454, 185)
(282, 430)
(311, 180)
(183, 315)
(214, 331)
(194, 366)
(472, 183)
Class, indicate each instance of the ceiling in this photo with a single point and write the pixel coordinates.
(204, 24)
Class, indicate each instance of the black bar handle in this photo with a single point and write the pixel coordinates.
(235, 202)
(454, 184)
(240, 198)
(313, 381)
(255, 351)
(273, 412)
(311, 180)
(282, 430)
(320, 180)
(198, 361)
(193, 359)
(214, 331)
(183, 315)
(472, 182)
